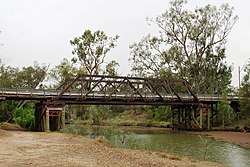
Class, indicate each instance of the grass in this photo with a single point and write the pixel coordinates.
(168, 156)
(9, 126)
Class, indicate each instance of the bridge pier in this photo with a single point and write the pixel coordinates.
(47, 127)
(193, 117)
(49, 116)
(208, 119)
(201, 119)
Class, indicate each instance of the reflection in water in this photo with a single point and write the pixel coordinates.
(199, 147)
(235, 156)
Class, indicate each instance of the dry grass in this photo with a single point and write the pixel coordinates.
(9, 126)
(103, 141)
(172, 157)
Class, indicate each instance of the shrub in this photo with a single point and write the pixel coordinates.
(75, 128)
(159, 113)
(24, 117)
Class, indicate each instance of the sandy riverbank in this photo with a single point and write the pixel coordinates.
(19, 148)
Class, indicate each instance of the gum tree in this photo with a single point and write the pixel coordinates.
(111, 68)
(65, 70)
(190, 45)
(91, 48)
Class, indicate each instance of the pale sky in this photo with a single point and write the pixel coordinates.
(40, 30)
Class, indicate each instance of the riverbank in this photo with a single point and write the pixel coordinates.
(20, 148)
(238, 138)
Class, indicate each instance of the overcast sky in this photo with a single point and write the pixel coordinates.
(41, 29)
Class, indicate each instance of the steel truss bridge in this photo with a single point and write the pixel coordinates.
(119, 90)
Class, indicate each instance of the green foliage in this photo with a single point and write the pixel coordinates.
(8, 76)
(91, 49)
(64, 71)
(24, 117)
(26, 77)
(207, 142)
(32, 76)
(111, 68)
(94, 114)
(245, 93)
(120, 138)
(160, 113)
(6, 109)
(75, 128)
(226, 115)
(190, 45)
(112, 134)
(99, 113)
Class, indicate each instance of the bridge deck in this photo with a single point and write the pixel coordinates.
(83, 97)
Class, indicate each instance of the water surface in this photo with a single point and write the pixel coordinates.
(198, 146)
(189, 145)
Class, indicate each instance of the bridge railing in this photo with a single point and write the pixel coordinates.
(28, 92)
(217, 97)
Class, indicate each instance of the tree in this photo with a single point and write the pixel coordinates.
(245, 84)
(245, 92)
(27, 77)
(111, 68)
(91, 49)
(32, 76)
(190, 45)
(62, 72)
(8, 76)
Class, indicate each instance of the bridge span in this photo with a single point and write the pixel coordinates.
(83, 97)
(189, 109)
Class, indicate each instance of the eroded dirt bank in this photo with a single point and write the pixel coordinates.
(19, 148)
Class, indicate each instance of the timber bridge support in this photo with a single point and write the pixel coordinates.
(194, 117)
(49, 116)
(190, 111)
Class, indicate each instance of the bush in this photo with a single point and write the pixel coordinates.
(226, 115)
(24, 117)
(120, 138)
(75, 128)
(161, 113)
(6, 108)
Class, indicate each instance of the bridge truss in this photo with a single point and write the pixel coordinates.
(189, 110)
(117, 90)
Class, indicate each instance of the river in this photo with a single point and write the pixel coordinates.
(182, 144)
(197, 146)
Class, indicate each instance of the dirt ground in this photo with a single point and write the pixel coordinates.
(20, 148)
